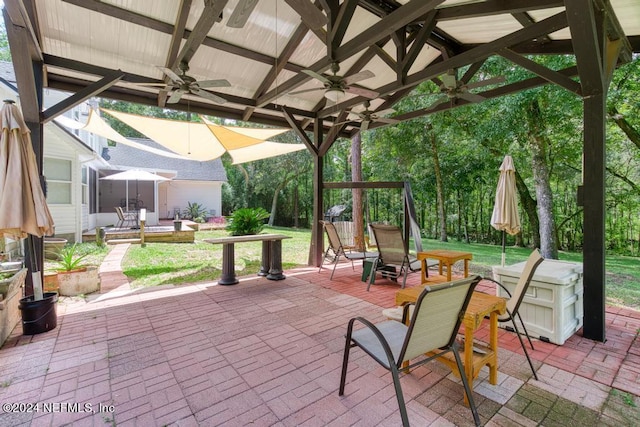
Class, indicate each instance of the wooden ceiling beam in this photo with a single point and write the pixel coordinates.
(588, 41)
(210, 14)
(176, 39)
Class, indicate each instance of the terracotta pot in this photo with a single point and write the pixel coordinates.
(51, 281)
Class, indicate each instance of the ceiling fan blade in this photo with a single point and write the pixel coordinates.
(175, 96)
(173, 76)
(310, 15)
(487, 82)
(213, 83)
(208, 95)
(471, 97)
(315, 75)
(365, 125)
(387, 120)
(362, 75)
(306, 90)
(438, 101)
(367, 93)
(241, 13)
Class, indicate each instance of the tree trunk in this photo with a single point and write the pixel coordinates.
(539, 148)
(356, 175)
(439, 184)
(530, 208)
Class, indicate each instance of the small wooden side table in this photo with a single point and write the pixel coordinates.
(445, 257)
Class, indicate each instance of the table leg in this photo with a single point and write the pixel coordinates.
(448, 271)
(493, 344)
(228, 276)
(466, 267)
(440, 267)
(266, 258)
(275, 273)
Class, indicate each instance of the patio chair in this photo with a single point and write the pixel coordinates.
(125, 218)
(515, 299)
(338, 249)
(394, 260)
(433, 327)
(346, 232)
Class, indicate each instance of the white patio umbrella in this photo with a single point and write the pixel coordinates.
(505, 216)
(23, 206)
(135, 175)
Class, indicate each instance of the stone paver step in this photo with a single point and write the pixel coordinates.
(118, 241)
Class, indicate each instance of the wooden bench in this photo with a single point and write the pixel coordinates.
(271, 265)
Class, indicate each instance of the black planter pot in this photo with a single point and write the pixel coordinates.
(39, 316)
(177, 225)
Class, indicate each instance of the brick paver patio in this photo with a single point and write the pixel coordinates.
(268, 353)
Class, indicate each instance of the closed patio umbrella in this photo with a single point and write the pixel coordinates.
(23, 207)
(505, 216)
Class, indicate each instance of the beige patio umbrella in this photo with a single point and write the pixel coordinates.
(505, 215)
(23, 207)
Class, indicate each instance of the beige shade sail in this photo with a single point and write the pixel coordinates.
(23, 206)
(97, 125)
(208, 141)
(505, 215)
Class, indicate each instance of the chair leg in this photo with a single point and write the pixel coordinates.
(467, 389)
(525, 331)
(345, 362)
(324, 258)
(526, 353)
(335, 264)
(401, 405)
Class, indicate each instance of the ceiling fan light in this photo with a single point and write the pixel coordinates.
(334, 95)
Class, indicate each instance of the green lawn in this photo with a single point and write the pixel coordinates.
(164, 263)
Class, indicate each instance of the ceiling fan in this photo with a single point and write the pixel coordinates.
(310, 15)
(367, 116)
(452, 88)
(183, 83)
(335, 86)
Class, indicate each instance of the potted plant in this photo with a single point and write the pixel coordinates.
(247, 221)
(75, 277)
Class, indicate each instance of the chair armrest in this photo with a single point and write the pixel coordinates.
(504, 288)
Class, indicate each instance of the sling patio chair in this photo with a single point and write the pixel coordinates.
(394, 260)
(515, 299)
(339, 250)
(433, 328)
(125, 218)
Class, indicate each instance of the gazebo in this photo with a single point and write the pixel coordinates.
(304, 64)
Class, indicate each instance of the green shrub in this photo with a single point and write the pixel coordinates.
(247, 221)
(70, 258)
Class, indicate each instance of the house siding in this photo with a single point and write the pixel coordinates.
(181, 193)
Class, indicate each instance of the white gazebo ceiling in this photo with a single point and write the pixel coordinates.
(263, 60)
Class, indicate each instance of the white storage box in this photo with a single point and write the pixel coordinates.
(552, 308)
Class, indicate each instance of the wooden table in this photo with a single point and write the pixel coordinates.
(445, 257)
(480, 305)
(271, 266)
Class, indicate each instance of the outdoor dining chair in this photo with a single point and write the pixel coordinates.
(394, 260)
(433, 328)
(339, 250)
(125, 218)
(515, 299)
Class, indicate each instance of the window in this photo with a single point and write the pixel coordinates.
(85, 184)
(58, 173)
